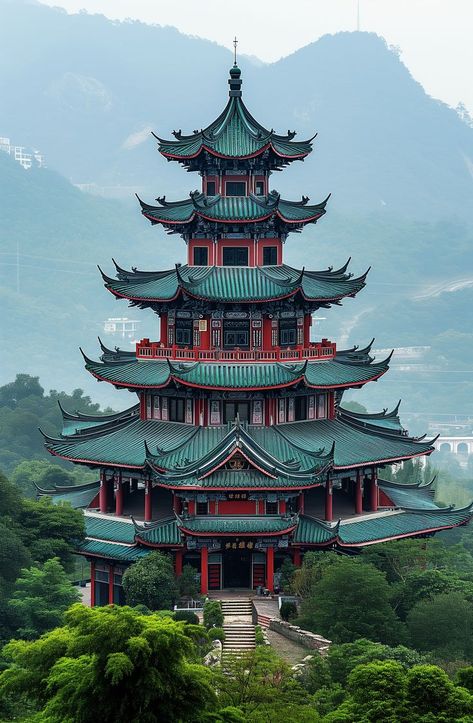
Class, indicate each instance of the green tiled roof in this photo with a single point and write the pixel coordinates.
(110, 529)
(232, 479)
(419, 497)
(78, 496)
(230, 209)
(353, 446)
(375, 528)
(112, 551)
(235, 134)
(163, 533)
(237, 525)
(177, 446)
(313, 532)
(400, 524)
(234, 284)
(127, 371)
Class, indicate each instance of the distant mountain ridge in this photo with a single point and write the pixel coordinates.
(97, 86)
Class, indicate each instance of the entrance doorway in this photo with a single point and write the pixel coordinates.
(237, 568)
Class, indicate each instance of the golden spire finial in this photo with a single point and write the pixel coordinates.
(235, 43)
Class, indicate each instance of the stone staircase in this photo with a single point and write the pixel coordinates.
(238, 626)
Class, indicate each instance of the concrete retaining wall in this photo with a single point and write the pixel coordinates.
(298, 635)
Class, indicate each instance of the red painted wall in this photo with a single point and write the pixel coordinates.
(207, 243)
(237, 507)
(269, 242)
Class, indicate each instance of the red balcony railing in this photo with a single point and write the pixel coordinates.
(146, 349)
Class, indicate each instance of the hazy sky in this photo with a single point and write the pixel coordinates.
(435, 36)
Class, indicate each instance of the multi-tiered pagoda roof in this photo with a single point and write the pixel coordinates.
(240, 451)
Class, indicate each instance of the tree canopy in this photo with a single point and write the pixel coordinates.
(151, 582)
(136, 665)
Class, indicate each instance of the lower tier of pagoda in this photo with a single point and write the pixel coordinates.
(228, 551)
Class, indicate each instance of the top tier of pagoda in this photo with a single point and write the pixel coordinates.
(234, 219)
(235, 140)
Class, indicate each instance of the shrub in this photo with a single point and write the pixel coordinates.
(287, 574)
(188, 616)
(213, 616)
(187, 582)
(217, 634)
(259, 635)
(288, 610)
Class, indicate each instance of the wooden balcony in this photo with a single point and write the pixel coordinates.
(146, 349)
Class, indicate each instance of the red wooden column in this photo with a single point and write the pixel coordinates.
(178, 562)
(110, 584)
(148, 501)
(118, 485)
(359, 492)
(270, 568)
(103, 503)
(374, 491)
(301, 503)
(282, 507)
(204, 570)
(328, 501)
(297, 557)
(92, 584)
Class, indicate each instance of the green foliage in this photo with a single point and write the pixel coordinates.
(259, 635)
(287, 571)
(40, 597)
(46, 475)
(443, 625)
(342, 659)
(288, 610)
(24, 407)
(259, 678)
(386, 691)
(315, 675)
(187, 582)
(213, 616)
(363, 610)
(217, 634)
(31, 532)
(137, 665)
(464, 678)
(151, 582)
(187, 616)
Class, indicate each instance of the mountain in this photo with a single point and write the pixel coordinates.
(86, 90)
(98, 87)
(51, 238)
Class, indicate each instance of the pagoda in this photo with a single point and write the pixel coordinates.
(239, 452)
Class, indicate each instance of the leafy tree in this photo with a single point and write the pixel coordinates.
(287, 571)
(40, 597)
(187, 582)
(24, 386)
(464, 678)
(151, 582)
(430, 692)
(378, 691)
(342, 659)
(23, 408)
(311, 571)
(137, 665)
(259, 678)
(50, 530)
(351, 600)
(315, 675)
(46, 475)
(213, 615)
(187, 616)
(443, 625)
(426, 584)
